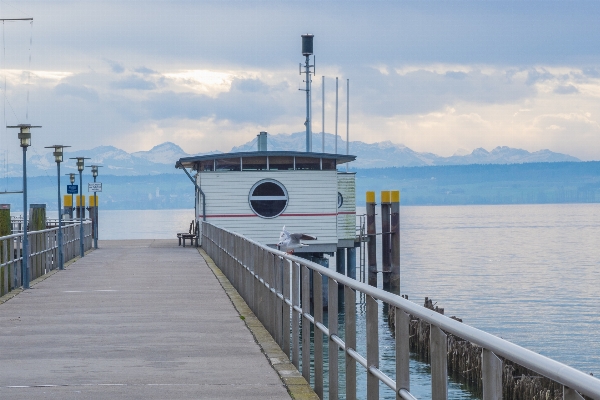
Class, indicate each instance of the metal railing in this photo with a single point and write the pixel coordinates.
(17, 223)
(277, 288)
(43, 253)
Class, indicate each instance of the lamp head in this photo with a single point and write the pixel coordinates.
(80, 162)
(95, 170)
(24, 133)
(72, 178)
(58, 152)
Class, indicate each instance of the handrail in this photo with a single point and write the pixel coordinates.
(232, 251)
(42, 253)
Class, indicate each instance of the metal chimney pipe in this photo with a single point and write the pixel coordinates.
(262, 141)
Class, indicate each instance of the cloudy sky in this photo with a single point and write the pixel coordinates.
(435, 76)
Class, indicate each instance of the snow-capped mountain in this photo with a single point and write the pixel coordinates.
(161, 159)
(388, 154)
(165, 153)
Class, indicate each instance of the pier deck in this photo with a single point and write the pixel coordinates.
(133, 319)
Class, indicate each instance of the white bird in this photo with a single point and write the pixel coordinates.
(288, 242)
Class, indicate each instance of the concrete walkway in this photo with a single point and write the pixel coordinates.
(141, 319)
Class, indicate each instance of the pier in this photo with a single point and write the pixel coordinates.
(138, 319)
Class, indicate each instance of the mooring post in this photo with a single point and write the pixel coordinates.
(395, 242)
(386, 266)
(68, 205)
(372, 239)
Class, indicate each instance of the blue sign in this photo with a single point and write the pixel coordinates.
(72, 189)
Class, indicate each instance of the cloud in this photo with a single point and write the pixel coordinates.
(423, 91)
(116, 67)
(145, 71)
(134, 82)
(566, 89)
(79, 91)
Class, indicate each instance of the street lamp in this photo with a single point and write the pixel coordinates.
(80, 165)
(58, 157)
(95, 175)
(25, 139)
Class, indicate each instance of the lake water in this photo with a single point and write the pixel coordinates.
(527, 273)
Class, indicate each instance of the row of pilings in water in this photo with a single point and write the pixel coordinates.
(464, 363)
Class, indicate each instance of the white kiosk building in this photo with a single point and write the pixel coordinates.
(257, 193)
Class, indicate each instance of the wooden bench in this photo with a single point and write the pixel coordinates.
(190, 234)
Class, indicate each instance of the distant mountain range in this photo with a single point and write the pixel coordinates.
(161, 159)
(388, 154)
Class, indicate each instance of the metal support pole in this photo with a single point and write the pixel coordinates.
(351, 262)
(395, 242)
(81, 212)
(308, 123)
(372, 239)
(95, 219)
(386, 265)
(60, 232)
(336, 114)
(347, 119)
(340, 261)
(323, 117)
(25, 253)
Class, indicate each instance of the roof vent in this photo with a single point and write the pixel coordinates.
(262, 141)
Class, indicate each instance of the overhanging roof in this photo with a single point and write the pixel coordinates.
(190, 162)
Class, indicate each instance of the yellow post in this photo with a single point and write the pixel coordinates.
(386, 265)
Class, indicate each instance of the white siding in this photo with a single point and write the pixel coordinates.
(310, 192)
(346, 219)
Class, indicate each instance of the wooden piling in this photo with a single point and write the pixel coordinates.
(372, 239)
(465, 362)
(386, 264)
(395, 242)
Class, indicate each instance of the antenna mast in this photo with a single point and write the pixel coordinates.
(307, 51)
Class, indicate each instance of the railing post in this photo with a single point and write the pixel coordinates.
(278, 306)
(372, 347)
(285, 323)
(350, 336)
(305, 323)
(491, 371)
(402, 322)
(296, 317)
(439, 363)
(318, 335)
(332, 322)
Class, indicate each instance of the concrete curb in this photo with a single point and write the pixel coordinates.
(293, 380)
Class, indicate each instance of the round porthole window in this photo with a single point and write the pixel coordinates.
(340, 199)
(268, 198)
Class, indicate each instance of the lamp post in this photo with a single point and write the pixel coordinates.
(25, 139)
(95, 175)
(80, 166)
(58, 157)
